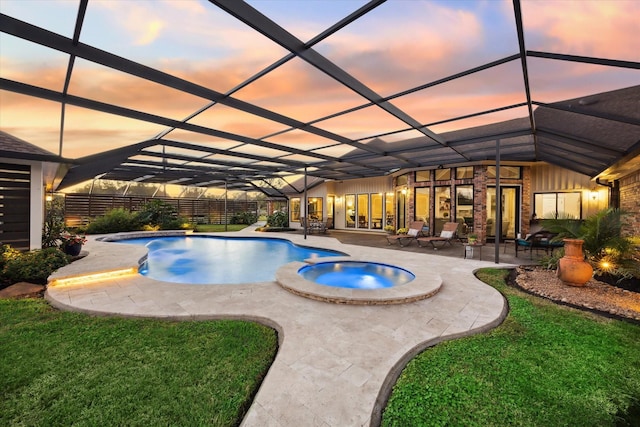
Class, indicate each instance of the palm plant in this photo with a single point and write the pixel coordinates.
(604, 246)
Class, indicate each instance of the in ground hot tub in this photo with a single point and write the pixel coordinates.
(359, 282)
(356, 274)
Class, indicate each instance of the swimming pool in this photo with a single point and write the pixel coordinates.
(220, 260)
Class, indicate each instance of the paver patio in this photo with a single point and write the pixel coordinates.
(336, 363)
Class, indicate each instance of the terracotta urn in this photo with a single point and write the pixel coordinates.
(573, 270)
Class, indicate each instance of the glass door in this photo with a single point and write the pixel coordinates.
(510, 203)
(330, 211)
(401, 198)
(363, 211)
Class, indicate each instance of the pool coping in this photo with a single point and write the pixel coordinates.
(421, 287)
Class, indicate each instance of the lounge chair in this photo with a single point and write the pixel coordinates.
(448, 233)
(415, 230)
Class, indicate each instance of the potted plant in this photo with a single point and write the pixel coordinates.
(472, 238)
(70, 243)
(594, 245)
(390, 229)
(403, 230)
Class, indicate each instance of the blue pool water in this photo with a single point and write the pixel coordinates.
(220, 260)
(356, 275)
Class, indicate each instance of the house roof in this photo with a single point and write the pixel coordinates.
(589, 133)
(14, 147)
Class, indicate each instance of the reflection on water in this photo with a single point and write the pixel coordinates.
(220, 260)
(356, 275)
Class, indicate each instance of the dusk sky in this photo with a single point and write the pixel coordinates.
(398, 46)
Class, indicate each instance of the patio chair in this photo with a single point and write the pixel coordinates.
(448, 233)
(540, 240)
(415, 230)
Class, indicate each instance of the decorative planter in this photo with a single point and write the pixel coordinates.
(573, 270)
(72, 249)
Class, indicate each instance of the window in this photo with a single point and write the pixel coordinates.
(422, 204)
(558, 205)
(376, 211)
(295, 209)
(388, 208)
(350, 211)
(402, 180)
(464, 207)
(443, 207)
(363, 211)
(422, 176)
(314, 209)
(506, 172)
(464, 172)
(443, 174)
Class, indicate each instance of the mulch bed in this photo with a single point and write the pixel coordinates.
(595, 296)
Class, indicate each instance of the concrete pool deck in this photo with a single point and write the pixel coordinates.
(336, 363)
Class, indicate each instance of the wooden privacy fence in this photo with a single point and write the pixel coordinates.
(79, 209)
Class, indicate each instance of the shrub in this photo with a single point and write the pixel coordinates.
(114, 221)
(7, 253)
(278, 219)
(244, 218)
(160, 215)
(35, 266)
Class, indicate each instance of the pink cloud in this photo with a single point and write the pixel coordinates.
(605, 29)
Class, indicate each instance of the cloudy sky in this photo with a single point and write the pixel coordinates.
(398, 46)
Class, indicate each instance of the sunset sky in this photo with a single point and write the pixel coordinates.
(398, 46)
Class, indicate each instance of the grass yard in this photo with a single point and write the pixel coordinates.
(218, 228)
(62, 368)
(546, 365)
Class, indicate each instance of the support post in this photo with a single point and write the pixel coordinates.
(226, 227)
(304, 209)
(498, 226)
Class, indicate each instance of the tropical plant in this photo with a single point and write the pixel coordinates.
(605, 248)
(160, 215)
(53, 224)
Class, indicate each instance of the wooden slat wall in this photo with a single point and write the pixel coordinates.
(15, 201)
(80, 208)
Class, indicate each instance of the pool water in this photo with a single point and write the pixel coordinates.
(356, 275)
(220, 260)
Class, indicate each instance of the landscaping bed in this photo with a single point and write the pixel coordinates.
(595, 295)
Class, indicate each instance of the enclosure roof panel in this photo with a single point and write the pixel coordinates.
(231, 92)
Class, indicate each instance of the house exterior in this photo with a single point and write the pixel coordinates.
(25, 171)
(467, 194)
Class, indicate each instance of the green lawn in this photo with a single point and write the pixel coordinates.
(217, 228)
(546, 365)
(62, 368)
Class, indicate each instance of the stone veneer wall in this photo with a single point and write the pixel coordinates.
(480, 183)
(480, 202)
(630, 202)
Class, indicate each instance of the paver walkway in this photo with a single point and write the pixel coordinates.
(336, 363)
